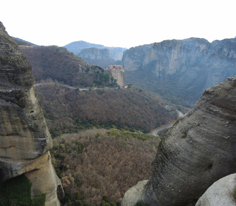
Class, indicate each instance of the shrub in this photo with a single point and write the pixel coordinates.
(39, 198)
(17, 191)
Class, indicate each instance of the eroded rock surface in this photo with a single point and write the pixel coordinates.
(24, 136)
(197, 151)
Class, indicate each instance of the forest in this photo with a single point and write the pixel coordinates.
(98, 165)
(68, 111)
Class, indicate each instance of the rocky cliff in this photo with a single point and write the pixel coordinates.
(198, 150)
(183, 68)
(118, 73)
(24, 136)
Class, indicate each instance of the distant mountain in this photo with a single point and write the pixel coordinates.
(77, 46)
(181, 70)
(23, 42)
(116, 53)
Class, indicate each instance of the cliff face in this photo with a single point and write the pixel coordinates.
(198, 150)
(24, 136)
(118, 73)
(182, 67)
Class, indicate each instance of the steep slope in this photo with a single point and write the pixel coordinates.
(181, 68)
(198, 150)
(25, 139)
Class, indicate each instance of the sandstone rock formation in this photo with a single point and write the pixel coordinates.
(197, 151)
(183, 68)
(24, 136)
(118, 73)
(220, 193)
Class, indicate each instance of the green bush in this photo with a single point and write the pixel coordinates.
(39, 198)
(17, 192)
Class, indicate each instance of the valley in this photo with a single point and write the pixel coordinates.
(83, 128)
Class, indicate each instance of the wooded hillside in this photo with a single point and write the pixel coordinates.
(57, 63)
(69, 110)
(98, 163)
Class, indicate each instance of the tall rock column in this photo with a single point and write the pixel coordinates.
(24, 136)
(198, 150)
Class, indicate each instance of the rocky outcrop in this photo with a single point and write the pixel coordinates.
(197, 151)
(134, 194)
(24, 136)
(222, 192)
(118, 73)
(183, 68)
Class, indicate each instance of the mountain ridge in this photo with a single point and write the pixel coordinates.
(181, 68)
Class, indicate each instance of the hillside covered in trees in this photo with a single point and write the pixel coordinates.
(97, 167)
(56, 63)
(68, 110)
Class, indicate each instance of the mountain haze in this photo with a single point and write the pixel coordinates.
(116, 53)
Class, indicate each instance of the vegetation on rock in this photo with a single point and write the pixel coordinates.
(17, 191)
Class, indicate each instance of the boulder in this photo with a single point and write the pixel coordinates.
(222, 192)
(134, 194)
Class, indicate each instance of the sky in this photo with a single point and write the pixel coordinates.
(119, 23)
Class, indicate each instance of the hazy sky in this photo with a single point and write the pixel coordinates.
(123, 23)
